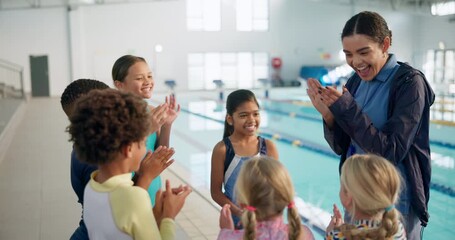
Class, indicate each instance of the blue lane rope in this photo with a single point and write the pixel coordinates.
(442, 144)
(319, 149)
(318, 119)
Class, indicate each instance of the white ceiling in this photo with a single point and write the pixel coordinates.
(393, 4)
(18, 4)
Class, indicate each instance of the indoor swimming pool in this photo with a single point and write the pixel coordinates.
(297, 130)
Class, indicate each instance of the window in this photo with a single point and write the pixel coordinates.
(439, 69)
(439, 66)
(252, 15)
(196, 71)
(203, 15)
(443, 8)
(236, 70)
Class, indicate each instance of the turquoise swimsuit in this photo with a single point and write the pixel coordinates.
(155, 185)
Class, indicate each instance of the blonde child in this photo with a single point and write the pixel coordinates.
(240, 143)
(264, 189)
(369, 190)
(109, 128)
(132, 74)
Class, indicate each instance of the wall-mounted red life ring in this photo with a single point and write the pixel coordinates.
(276, 62)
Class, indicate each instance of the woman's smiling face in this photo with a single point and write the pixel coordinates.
(364, 55)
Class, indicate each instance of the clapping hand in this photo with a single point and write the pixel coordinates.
(226, 221)
(159, 202)
(314, 91)
(158, 116)
(173, 200)
(153, 164)
(336, 219)
(173, 109)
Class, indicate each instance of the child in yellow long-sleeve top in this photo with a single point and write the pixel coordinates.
(109, 128)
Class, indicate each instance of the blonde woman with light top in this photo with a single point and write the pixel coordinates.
(369, 190)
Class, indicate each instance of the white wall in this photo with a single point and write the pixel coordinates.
(37, 32)
(299, 32)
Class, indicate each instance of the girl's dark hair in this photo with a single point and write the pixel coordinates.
(234, 100)
(106, 120)
(121, 66)
(370, 24)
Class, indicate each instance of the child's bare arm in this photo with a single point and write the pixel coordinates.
(271, 149)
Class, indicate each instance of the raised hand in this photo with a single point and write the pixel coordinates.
(226, 221)
(330, 95)
(336, 219)
(315, 91)
(173, 202)
(158, 116)
(159, 202)
(173, 110)
(153, 164)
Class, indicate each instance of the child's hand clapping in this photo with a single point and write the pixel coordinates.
(226, 221)
(158, 208)
(173, 109)
(336, 220)
(173, 200)
(158, 116)
(153, 164)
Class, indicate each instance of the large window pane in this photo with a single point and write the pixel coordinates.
(212, 15)
(203, 15)
(195, 71)
(194, 15)
(212, 69)
(428, 66)
(443, 8)
(252, 15)
(245, 66)
(229, 69)
(236, 70)
(261, 68)
(449, 74)
(440, 71)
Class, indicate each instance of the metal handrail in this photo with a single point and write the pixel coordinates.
(5, 64)
(10, 65)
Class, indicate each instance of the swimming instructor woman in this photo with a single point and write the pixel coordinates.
(383, 109)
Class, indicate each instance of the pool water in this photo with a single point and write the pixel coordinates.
(315, 175)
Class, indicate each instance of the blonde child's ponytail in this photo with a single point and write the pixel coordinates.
(294, 224)
(249, 218)
(265, 187)
(389, 226)
(390, 223)
(374, 184)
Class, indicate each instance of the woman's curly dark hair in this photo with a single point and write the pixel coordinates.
(106, 120)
